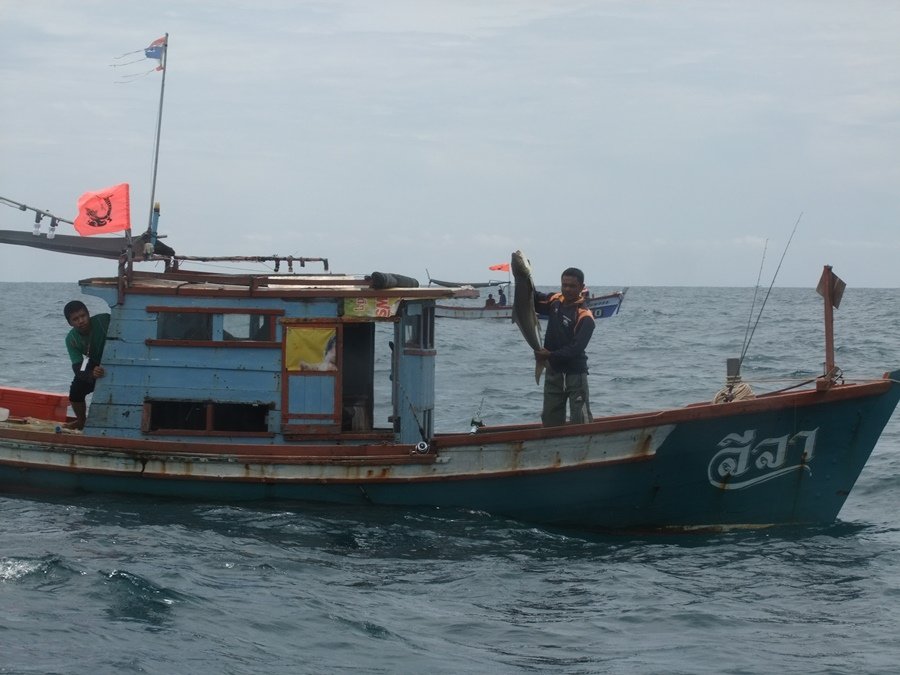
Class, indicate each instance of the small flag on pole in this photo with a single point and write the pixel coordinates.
(104, 211)
(502, 267)
(156, 50)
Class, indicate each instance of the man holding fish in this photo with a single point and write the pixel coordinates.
(569, 328)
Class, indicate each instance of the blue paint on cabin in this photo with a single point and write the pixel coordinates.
(175, 370)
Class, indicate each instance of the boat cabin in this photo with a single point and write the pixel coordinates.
(266, 358)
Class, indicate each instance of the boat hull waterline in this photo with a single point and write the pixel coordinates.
(789, 458)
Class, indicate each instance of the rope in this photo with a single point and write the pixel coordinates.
(735, 390)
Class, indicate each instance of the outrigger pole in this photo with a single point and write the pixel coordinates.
(154, 213)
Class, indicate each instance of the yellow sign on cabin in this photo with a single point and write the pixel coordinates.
(371, 307)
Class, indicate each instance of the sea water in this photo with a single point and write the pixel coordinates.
(108, 584)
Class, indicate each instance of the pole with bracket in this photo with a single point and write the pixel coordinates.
(831, 288)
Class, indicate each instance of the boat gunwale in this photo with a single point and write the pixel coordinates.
(692, 412)
(447, 441)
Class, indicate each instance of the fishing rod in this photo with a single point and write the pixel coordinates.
(477, 422)
(755, 294)
(39, 215)
(25, 207)
(765, 299)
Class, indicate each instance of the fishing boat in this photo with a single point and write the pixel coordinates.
(259, 386)
(464, 284)
(602, 306)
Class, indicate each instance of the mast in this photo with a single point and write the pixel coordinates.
(831, 288)
(151, 225)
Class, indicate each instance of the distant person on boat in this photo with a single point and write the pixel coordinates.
(501, 296)
(569, 328)
(490, 302)
(85, 344)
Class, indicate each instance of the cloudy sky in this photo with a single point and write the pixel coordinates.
(649, 143)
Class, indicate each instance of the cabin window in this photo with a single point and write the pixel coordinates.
(184, 326)
(239, 417)
(206, 327)
(248, 327)
(207, 417)
(412, 332)
(418, 328)
(428, 327)
(177, 415)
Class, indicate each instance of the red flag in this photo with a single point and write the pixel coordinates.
(502, 267)
(102, 211)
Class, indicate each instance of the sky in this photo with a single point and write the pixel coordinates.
(648, 143)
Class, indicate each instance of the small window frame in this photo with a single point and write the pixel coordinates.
(267, 337)
(208, 418)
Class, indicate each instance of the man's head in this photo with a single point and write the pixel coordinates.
(571, 283)
(76, 313)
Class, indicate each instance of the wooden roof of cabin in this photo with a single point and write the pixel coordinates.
(183, 282)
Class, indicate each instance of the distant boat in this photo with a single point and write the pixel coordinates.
(602, 306)
(461, 312)
(462, 284)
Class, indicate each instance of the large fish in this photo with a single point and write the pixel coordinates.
(523, 314)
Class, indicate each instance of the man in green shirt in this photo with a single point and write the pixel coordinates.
(85, 344)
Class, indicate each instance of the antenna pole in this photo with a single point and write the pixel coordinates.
(162, 89)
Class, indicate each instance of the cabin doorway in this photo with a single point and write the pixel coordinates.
(357, 377)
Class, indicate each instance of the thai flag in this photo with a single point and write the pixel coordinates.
(155, 49)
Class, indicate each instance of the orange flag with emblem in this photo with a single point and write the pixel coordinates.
(502, 267)
(103, 211)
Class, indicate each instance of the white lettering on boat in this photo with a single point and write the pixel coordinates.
(743, 462)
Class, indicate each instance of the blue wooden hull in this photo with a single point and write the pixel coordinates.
(787, 459)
